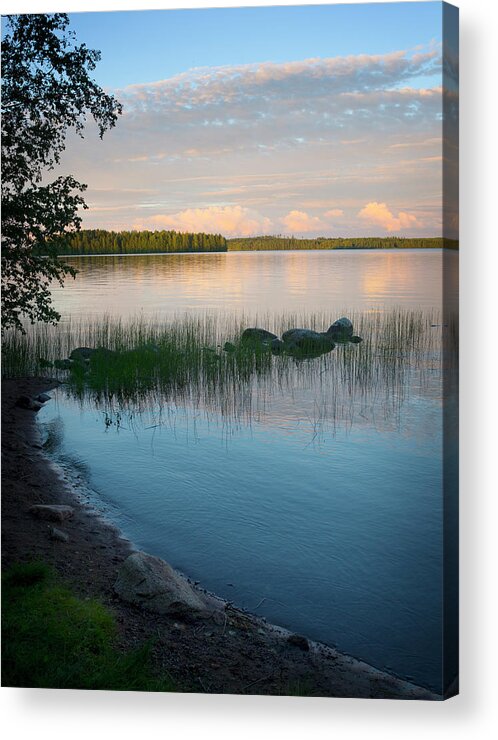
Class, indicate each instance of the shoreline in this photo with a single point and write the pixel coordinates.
(249, 251)
(243, 654)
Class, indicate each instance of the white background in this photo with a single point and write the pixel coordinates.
(39, 714)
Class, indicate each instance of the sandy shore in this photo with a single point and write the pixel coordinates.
(243, 655)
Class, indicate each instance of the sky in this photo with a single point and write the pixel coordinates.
(305, 121)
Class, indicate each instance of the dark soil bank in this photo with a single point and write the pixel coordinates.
(239, 654)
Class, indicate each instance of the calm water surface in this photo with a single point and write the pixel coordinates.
(322, 507)
(253, 282)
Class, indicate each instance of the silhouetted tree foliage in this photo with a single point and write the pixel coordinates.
(99, 241)
(46, 91)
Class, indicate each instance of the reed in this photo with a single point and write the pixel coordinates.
(182, 361)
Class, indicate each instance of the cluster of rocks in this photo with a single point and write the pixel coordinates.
(300, 342)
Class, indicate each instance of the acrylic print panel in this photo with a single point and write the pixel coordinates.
(231, 440)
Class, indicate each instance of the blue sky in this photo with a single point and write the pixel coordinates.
(143, 46)
(304, 120)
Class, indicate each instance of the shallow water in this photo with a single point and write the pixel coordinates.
(321, 507)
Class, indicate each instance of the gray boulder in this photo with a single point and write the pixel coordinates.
(43, 398)
(151, 583)
(81, 353)
(257, 335)
(342, 328)
(307, 339)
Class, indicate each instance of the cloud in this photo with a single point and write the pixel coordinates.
(380, 215)
(226, 220)
(211, 112)
(249, 148)
(228, 85)
(301, 223)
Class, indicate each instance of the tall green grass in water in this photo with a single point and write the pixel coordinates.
(183, 361)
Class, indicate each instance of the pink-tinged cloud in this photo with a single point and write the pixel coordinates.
(226, 220)
(300, 222)
(334, 213)
(380, 215)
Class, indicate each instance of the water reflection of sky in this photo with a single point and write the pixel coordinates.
(253, 282)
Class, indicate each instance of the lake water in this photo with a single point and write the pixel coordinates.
(321, 506)
(255, 283)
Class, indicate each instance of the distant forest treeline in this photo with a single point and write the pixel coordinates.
(389, 242)
(98, 241)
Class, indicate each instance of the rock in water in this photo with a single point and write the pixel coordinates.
(307, 339)
(81, 353)
(342, 328)
(258, 335)
(52, 512)
(43, 398)
(26, 402)
(150, 582)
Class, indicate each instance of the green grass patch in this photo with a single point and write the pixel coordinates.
(54, 639)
